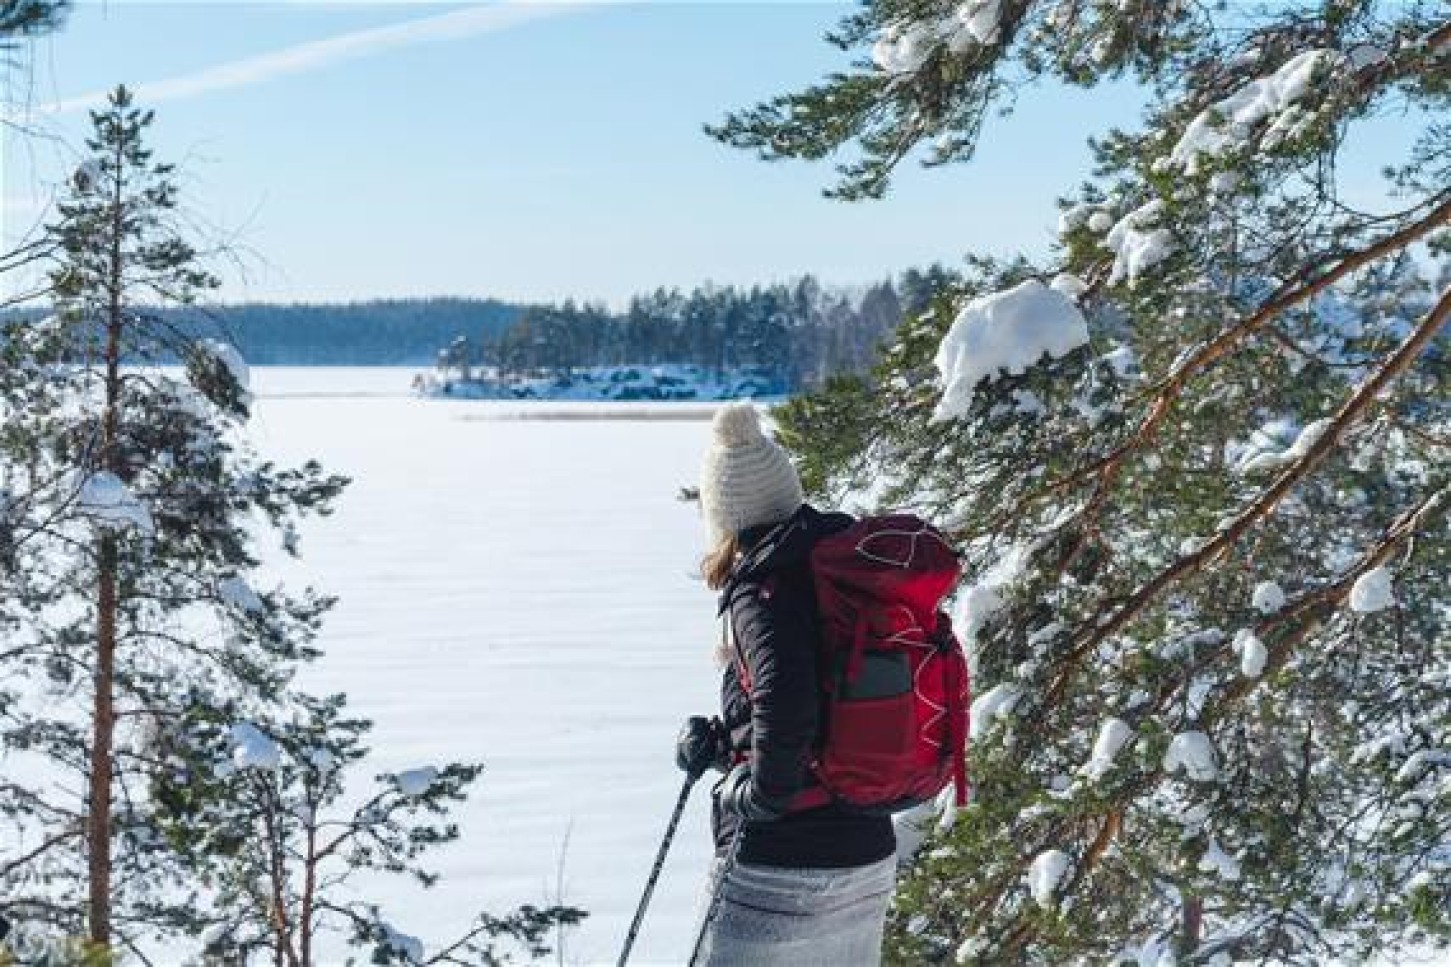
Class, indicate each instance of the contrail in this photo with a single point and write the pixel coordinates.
(322, 53)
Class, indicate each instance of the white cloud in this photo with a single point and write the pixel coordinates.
(316, 54)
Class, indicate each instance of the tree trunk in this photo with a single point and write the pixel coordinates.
(102, 729)
(103, 717)
(1191, 926)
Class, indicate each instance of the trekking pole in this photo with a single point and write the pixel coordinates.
(716, 890)
(680, 801)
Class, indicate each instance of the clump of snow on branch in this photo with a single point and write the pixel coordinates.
(1264, 462)
(1192, 752)
(322, 760)
(1251, 651)
(903, 48)
(1372, 592)
(1139, 243)
(235, 591)
(1074, 217)
(971, 948)
(416, 782)
(997, 702)
(1225, 182)
(400, 944)
(1226, 124)
(1112, 737)
(978, 602)
(1044, 875)
(87, 177)
(109, 503)
(1268, 597)
(977, 22)
(1215, 860)
(252, 748)
(230, 359)
(1069, 284)
(1008, 331)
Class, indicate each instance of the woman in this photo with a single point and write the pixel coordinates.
(802, 886)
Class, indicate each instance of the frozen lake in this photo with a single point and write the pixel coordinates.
(518, 592)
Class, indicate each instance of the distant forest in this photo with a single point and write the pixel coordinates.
(801, 330)
(398, 332)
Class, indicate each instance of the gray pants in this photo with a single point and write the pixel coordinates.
(773, 917)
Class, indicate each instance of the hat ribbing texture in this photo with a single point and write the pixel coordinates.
(747, 480)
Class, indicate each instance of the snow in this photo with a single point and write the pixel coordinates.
(1268, 597)
(1263, 462)
(1112, 737)
(1123, 360)
(1184, 646)
(88, 176)
(901, 50)
(977, 22)
(970, 948)
(231, 359)
(1069, 284)
(322, 760)
(1027, 402)
(1372, 592)
(1215, 860)
(492, 609)
(110, 504)
(1074, 217)
(997, 702)
(1251, 651)
(1364, 55)
(236, 592)
(415, 782)
(252, 748)
(976, 604)
(1153, 952)
(1418, 763)
(401, 944)
(1044, 875)
(1225, 182)
(1010, 331)
(1192, 752)
(1138, 244)
(1100, 221)
(1226, 124)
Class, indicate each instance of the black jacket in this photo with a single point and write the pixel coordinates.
(771, 606)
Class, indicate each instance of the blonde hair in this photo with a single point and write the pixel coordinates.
(719, 561)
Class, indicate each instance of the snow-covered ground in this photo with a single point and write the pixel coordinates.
(518, 592)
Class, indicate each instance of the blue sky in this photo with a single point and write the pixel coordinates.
(526, 152)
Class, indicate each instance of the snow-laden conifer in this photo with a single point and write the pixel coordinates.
(1225, 512)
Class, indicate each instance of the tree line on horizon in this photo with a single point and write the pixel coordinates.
(806, 331)
(810, 330)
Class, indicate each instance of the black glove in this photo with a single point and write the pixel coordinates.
(738, 794)
(702, 745)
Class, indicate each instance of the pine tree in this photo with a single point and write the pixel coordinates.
(256, 807)
(1200, 481)
(128, 536)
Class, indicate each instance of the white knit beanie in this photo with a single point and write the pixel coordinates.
(747, 479)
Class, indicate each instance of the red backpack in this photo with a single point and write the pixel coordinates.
(893, 675)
